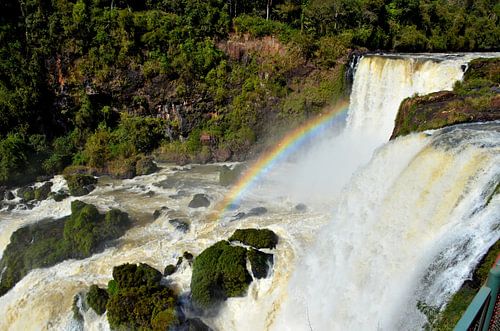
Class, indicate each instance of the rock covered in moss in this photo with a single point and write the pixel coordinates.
(59, 196)
(257, 238)
(199, 200)
(43, 192)
(27, 193)
(139, 301)
(145, 166)
(97, 298)
(260, 262)
(80, 184)
(169, 270)
(133, 275)
(219, 272)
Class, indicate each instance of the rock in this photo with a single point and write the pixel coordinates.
(199, 200)
(59, 196)
(169, 269)
(179, 225)
(260, 263)
(300, 207)
(222, 154)
(195, 324)
(188, 256)
(150, 194)
(132, 275)
(26, 193)
(257, 211)
(42, 192)
(77, 315)
(9, 195)
(97, 298)
(157, 213)
(228, 176)
(80, 184)
(238, 216)
(145, 166)
(257, 238)
(219, 272)
(3, 189)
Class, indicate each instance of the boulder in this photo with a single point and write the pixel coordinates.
(145, 166)
(260, 262)
(257, 211)
(257, 238)
(169, 270)
(301, 207)
(59, 196)
(179, 225)
(9, 195)
(219, 272)
(97, 298)
(199, 200)
(26, 193)
(157, 213)
(43, 192)
(80, 184)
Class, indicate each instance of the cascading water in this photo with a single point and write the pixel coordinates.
(416, 209)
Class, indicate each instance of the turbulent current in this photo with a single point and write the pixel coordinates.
(388, 224)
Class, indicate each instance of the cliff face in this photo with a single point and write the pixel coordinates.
(475, 99)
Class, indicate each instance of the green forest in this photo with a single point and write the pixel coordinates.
(96, 85)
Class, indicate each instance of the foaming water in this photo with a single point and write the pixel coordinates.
(401, 220)
(408, 227)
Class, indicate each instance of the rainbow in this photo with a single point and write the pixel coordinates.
(284, 148)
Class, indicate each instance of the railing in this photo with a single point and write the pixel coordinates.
(483, 313)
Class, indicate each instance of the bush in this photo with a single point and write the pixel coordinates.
(257, 238)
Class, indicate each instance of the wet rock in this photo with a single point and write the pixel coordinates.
(80, 184)
(43, 192)
(59, 196)
(9, 195)
(179, 194)
(150, 194)
(157, 213)
(260, 262)
(145, 166)
(3, 189)
(257, 211)
(179, 225)
(222, 154)
(26, 193)
(199, 200)
(300, 207)
(188, 256)
(195, 324)
(238, 216)
(169, 270)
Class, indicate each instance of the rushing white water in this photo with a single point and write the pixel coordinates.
(408, 226)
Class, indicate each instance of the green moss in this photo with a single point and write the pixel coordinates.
(219, 272)
(112, 287)
(257, 238)
(80, 184)
(49, 242)
(43, 192)
(139, 301)
(97, 298)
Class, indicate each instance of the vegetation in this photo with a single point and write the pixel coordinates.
(257, 238)
(101, 83)
(80, 184)
(454, 310)
(97, 298)
(49, 242)
(474, 99)
(219, 272)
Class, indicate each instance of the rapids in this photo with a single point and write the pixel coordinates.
(387, 224)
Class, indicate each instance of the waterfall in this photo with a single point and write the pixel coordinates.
(409, 226)
(387, 224)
